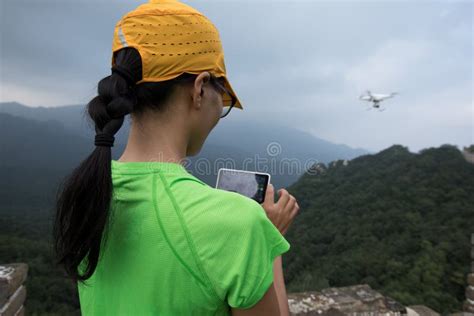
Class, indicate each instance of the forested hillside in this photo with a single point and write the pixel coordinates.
(397, 221)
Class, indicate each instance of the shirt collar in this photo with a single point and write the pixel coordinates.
(148, 166)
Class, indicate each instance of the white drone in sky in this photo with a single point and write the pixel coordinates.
(376, 98)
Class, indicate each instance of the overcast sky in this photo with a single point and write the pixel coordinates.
(298, 63)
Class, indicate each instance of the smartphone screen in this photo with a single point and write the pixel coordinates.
(249, 183)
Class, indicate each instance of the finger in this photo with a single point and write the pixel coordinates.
(295, 210)
(292, 217)
(283, 198)
(291, 204)
(269, 194)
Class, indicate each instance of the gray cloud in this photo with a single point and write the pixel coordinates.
(302, 63)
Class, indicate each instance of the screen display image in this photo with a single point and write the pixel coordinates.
(248, 183)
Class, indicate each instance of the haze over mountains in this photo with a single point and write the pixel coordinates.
(67, 134)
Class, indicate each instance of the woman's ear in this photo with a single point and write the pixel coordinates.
(198, 90)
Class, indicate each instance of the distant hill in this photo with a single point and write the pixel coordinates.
(40, 144)
(395, 220)
(255, 136)
(235, 141)
(34, 156)
(73, 117)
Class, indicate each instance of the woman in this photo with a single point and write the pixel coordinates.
(140, 234)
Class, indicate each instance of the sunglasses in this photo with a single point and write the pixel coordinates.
(228, 100)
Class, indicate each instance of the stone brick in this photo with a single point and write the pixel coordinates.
(15, 302)
(470, 292)
(422, 310)
(21, 311)
(11, 277)
(468, 307)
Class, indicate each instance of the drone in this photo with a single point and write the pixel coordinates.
(376, 99)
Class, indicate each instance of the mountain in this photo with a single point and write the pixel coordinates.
(258, 137)
(284, 152)
(28, 142)
(396, 220)
(72, 117)
(34, 156)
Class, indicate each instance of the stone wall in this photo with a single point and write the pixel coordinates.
(468, 155)
(469, 303)
(12, 289)
(360, 300)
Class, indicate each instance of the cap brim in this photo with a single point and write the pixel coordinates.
(229, 87)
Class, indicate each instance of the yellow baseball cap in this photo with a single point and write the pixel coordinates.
(172, 38)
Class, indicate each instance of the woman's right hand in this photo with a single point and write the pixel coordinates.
(283, 211)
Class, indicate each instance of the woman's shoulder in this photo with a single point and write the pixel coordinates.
(200, 202)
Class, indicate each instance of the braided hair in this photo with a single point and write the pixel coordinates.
(83, 197)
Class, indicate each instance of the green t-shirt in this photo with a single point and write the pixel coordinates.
(177, 246)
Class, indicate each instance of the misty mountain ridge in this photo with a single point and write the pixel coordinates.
(231, 141)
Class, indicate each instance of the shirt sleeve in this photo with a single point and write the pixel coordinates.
(239, 255)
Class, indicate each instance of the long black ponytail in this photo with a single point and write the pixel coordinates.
(83, 199)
